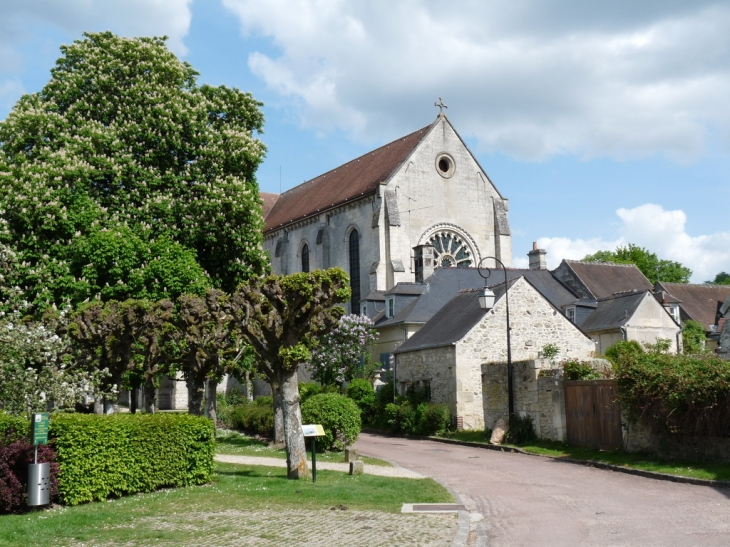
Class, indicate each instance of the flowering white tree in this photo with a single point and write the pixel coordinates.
(123, 178)
(36, 371)
(339, 355)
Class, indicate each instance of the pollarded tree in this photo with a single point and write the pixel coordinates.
(281, 318)
(654, 268)
(122, 140)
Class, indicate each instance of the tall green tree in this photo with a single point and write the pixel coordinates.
(723, 278)
(123, 170)
(654, 268)
(281, 318)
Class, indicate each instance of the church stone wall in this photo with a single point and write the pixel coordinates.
(465, 200)
(333, 229)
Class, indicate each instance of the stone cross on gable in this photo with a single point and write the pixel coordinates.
(441, 106)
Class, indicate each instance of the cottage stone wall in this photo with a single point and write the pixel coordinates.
(534, 324)
(436, 366)
(638, 437)
(538, 392)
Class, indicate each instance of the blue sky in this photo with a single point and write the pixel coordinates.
(604, 123)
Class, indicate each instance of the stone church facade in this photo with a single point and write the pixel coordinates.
(383, 216)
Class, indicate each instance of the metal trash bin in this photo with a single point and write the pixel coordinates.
(39, 484)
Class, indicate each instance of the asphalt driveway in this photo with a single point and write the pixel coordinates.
(517, 500)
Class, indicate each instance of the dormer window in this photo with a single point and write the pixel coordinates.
(673, 310)
(570, 314)
(364, 310)
(391, 307)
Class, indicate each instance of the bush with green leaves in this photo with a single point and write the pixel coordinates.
(417, 419)
(338, 415)
(256, 418)
(434, 420)
(579, 370)
(362, 392)
(521, 430)
(684, 394)
(117, 455)
(623, 349)
(693, 338)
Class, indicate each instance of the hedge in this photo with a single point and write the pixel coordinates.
(103, 456)
(14, 426)
(338, 415)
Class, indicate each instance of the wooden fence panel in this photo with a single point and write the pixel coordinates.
(593, 418)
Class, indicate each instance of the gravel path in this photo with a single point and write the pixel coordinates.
(383, 471)
(515, 499)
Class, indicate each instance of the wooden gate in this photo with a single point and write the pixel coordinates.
(593, 418)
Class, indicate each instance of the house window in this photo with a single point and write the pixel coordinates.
(364, 309)
(391, 307)
(385, 360)
(674, 312)
(305, 258)
(570, 314)
(355, 270)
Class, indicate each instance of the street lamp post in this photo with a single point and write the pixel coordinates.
(486, 301)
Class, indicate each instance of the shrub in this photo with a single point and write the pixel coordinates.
(13, 428)
(434, 420)
(361, 391)
(102, 456)
(687, 394)
(225, 405)
(338, 415)
(693, 337)
(15, 456)
(623, 348)
(306, 390)
(579, 370)
(256, 418)
(521, 430)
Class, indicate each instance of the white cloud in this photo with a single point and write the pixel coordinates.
(531, 78)
(125, 17)
(662, 232)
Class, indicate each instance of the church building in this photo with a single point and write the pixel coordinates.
(391, 215)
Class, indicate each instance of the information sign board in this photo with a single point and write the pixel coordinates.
(313, 430)
(39, 428)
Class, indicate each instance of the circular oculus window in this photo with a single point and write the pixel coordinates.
(445, 165)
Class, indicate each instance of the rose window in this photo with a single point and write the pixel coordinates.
(450, 250)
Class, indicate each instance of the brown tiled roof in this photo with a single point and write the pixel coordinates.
(700, 302)
(604, 280)
(268, 201)
(355, 179)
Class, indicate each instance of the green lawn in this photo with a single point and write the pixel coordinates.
(137, 518)
(239, 444)
(616, 457)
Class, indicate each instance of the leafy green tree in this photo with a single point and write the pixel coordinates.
(723, 278)
(123, 178)
(650, 265)
(281, 317)
(693, 337)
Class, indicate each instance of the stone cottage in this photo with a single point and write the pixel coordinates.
(448, 354)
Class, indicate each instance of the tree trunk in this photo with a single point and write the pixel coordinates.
(133, 400)
(249, 386)
(279, 440)
(211, 404)
(150, 403)
(296, 452)
(195, 397)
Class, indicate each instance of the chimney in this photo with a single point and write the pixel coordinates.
(537, 258)
(424, 261)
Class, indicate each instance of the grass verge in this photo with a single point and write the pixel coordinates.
(239, 444)
(645, 462)
(135, 519)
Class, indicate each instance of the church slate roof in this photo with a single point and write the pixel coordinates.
(348, 182)
(613, 312)
(601, 279)
(701, 303)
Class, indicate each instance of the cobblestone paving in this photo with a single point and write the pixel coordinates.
(269, 528)
(330, 466)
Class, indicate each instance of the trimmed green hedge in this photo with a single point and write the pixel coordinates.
(338, 415)
(102, 456)
(20, 426)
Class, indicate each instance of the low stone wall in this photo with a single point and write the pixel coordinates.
(538, 393)
(638, 437)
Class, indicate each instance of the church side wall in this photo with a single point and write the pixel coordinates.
(334, 248)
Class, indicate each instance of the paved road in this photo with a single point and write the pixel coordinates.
(517, 500)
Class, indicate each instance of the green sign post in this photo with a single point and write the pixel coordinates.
(39, 428)
(313, 431)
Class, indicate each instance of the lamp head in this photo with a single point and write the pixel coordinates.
(486, 299)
